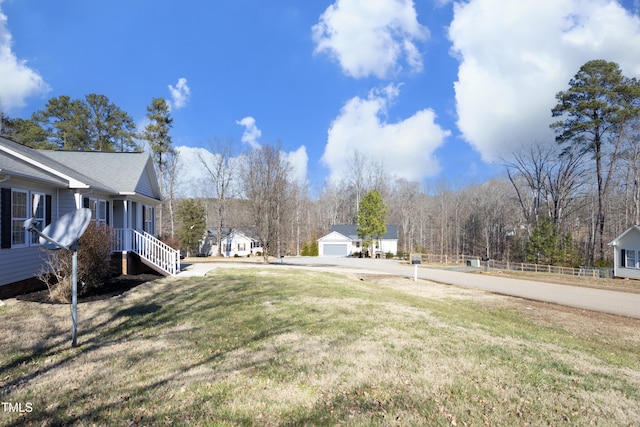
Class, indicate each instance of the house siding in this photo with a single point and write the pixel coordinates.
(144, 186)
(630, 273)
(67, 202)
(630, 241)
(20, 264)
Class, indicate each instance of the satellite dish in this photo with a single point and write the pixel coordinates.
(64, 234)
(66, 230)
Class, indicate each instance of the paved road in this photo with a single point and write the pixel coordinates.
(614, 302)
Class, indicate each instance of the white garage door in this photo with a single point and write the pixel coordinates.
(334, 249)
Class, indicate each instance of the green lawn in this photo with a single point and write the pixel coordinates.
(271, 346)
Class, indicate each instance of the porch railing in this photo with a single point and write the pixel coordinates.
(147, 247)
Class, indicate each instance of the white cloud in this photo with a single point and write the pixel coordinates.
(251, 133)
(299, 160)
(180, 93)
(515, 56)
(18, 80)
(405, 148)
(370, 37)
(194, 180)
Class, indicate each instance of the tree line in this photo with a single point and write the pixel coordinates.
(558, 202)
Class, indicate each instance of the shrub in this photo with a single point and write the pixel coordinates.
(94, 264)
(305, 250)
(389, 255)
(171, 242)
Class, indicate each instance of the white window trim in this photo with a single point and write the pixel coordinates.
(636, 263)
(96, 209)
(149, 219)
(29, 240)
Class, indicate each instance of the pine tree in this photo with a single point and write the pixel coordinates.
(191, 214)
(371, 218)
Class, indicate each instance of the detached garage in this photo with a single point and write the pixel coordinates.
(334, 244)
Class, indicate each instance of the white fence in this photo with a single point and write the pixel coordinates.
(472, 261)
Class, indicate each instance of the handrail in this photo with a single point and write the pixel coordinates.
(157, 252)
(149, 248)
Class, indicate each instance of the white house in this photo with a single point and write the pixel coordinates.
(235, 242)
(343, 240)
(121, 189)
(626, 253)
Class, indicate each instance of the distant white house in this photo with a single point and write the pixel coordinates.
(343, 240)
(235, 242)
(626, 253)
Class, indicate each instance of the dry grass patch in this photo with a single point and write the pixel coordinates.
(273, 346)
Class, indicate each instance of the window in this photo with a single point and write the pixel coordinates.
(98, 209)
(25, 205)
(38, 208)
(19, 209)
(631, 258)
(241, 247)
(149, 217)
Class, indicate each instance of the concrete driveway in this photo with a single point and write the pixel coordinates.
(613, 302)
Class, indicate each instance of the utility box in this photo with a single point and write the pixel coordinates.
(473, 262)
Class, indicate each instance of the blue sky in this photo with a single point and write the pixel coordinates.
(431, 89)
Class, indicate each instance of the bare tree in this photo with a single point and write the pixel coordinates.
(267, 187)
(172, 167)
(527, 173)
(630, 163)
(403, 211)
(221, 172)
(545, 179)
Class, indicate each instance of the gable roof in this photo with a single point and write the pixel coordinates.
(335, 236)
(115, 173)
(615, 241)
(351, 231)
(247, 233)
(125, 173)
(20, 160)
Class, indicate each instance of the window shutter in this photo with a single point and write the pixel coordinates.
(107, 218)
(623, 258)
(48, 207)
(85, 202)
(5, 220)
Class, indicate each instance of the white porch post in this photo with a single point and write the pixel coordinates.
(127, 235)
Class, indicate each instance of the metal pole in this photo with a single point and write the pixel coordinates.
(74, 300)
